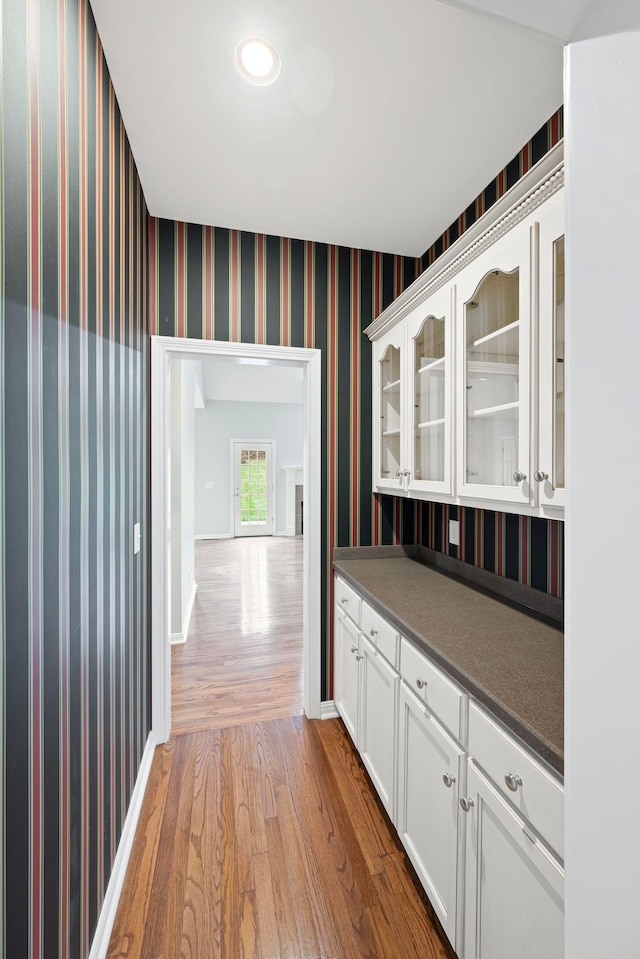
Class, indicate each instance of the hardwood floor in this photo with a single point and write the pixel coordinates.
(242, 661)
(265, 841)
(260, 835)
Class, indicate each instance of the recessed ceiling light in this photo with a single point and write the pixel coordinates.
(258, 61)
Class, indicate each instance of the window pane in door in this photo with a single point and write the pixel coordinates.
(253, 487)
(492, 380)
(429, 405)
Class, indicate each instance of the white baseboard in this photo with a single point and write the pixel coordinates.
(213, 536)
(328, 710)
(178, 638)
(100, 943)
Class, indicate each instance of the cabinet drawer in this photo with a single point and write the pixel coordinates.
(348, 600)
(538, 796)
(429, 684)
(380, 633)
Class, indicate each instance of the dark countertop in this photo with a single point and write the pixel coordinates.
(508, 659)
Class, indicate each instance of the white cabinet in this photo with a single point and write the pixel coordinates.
(514, 888)
(549, 458)
(468, 365)
(378, 716)
(431, 776)
(480, 817)
(494, 323)
(412, 376)
(346, 651)
(389, 429)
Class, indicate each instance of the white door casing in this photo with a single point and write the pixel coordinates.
(163, 350)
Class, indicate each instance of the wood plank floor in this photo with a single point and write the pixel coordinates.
(242, 661)
(265, 841)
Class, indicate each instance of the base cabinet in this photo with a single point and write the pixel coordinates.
(347, 658)
(514, 888)
(377, 731)
(431, 775)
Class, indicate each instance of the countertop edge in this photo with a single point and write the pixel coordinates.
(532, 739)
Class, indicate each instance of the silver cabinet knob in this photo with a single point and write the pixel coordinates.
(540, 477)
(359, 657)
(406, 472)
(513, 781)
(466, 802)
(518, 477)
(354, 649)
(421, 683)
(344, 600)
(399, 473)
(448, 780)
(373, 632)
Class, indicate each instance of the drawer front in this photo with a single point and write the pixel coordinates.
(536, 794)
(429, 684)
(348, 600)
(380, 633)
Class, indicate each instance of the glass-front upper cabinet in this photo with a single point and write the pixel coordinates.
(390, 467)
(549, 467)
(493, 320)
(429, 380)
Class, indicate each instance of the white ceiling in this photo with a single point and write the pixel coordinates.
(240, 380)
(388, 118)
(556, 19)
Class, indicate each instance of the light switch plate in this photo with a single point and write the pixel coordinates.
(454, 532)
(136, 538)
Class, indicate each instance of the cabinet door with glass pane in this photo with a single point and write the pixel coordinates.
(429, 378)
(390, 466)
(548, 467)
(493, 304)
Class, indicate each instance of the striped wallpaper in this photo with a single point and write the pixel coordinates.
(73, 347)
(227, 285)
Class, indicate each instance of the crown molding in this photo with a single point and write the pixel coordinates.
(537, 185)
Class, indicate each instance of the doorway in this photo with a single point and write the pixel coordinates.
(253, 487)
(163, 351)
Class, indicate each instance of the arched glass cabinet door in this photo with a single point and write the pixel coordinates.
(389, 452)
(494, 309)
(429, 332)
(549, 467)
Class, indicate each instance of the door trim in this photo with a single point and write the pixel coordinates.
(163, 350)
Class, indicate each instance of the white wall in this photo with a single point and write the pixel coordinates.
(183, 383)
(603, 513)
(215, 427)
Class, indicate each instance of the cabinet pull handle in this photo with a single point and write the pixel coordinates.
(448, 780)
(399, 473)
(354, 649)
(359, 657)
(466, 802)
(344, 600)
(373, 632)
(421, 683)
(406, 472)
(539, 476)
(513, 781)
(518, 477)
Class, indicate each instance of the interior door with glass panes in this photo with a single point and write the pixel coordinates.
(549, 464)
(253, 488)
(493, 321)
(429, 397)
(390, 459)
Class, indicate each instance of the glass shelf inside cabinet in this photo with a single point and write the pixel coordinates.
(430, 353)
(558, 478)
(492, 380)
(390, 411)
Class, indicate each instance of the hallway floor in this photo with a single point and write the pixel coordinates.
(242, 661)
(260, 836)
